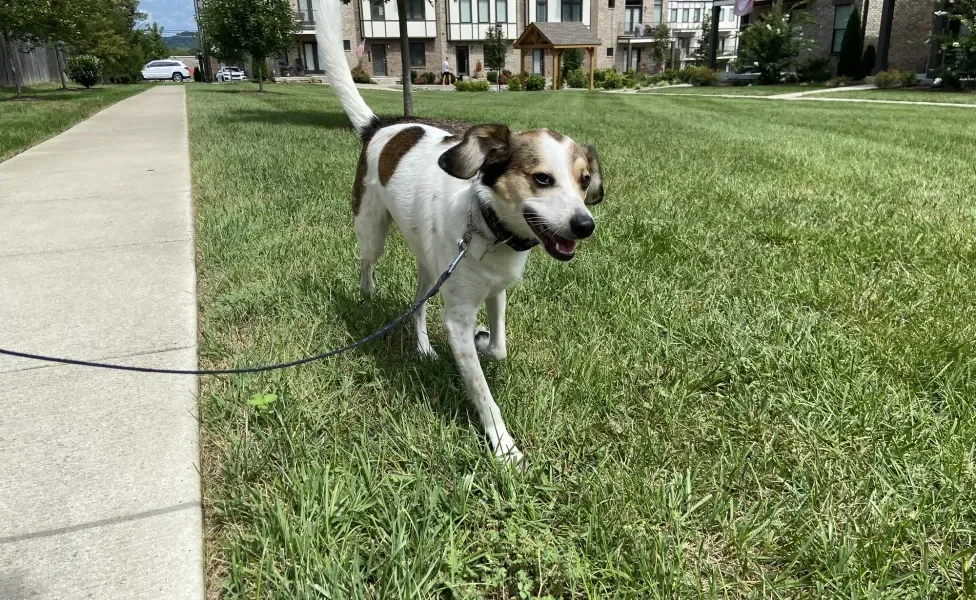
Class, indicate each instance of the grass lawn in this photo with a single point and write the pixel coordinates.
(49, 110)
(919, 95)
(757, 381)
(739, 90)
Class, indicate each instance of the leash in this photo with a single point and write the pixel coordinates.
(463, 244)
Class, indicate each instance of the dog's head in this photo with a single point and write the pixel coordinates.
(541, 182)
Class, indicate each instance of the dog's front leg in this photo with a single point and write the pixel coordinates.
(491, 343)
(459, 321)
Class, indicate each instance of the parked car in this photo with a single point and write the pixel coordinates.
(230, 74)
(166, 69)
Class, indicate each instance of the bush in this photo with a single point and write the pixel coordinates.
(769, 47)
(893, 78)
(598, 76)
(413, 77)
(868, 60)
(851, 49)
(426, 77)
(697, 75)
(535, 83)
(612, 80)
(492, 77)
(360, 76)
(197, 75)
(572, 60)
(84, 70)
(629, 78)
(577, 79)
(816, 70)
(472, 85)
(839, 82)
(514, 83)
(669, 75)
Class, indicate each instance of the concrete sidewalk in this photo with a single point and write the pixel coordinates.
(99, 484)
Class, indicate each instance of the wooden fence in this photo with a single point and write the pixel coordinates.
(38, 66)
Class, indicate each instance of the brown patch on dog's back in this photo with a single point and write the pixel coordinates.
(395, 149)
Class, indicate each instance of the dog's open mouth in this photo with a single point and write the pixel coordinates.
(556, 245)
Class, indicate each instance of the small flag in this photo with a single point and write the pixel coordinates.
(742, 7)
(361, 50)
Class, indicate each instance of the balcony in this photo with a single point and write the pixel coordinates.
(635, 32)
(387, 28)
(475, 32)
(306, 20)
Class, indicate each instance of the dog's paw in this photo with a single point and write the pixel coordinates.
(482, 341)
(426, 352)
(511, 456)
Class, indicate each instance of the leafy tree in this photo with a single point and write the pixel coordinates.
(957, 42)
(851, 49)
(661, 44)
(22, 21)
(572, 60)
(868, 60)
(495, 50)
(705, 45)
(249, 28)
(771, 44)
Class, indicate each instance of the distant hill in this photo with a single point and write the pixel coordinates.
(185, 40)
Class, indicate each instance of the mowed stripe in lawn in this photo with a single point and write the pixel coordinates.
(758, 376)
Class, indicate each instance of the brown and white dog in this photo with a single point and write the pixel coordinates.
(510, 191)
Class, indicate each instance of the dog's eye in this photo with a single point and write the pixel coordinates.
(585, 181)
(543, 179)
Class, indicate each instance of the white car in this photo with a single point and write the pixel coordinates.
(230, 74)
(166, 69)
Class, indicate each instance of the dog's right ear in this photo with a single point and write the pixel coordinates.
(482, 145)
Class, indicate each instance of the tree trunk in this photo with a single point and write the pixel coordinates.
(405, 60)
(60, 57)
(259, 71)
(11, 54)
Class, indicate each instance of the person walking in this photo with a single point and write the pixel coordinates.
(445, 72)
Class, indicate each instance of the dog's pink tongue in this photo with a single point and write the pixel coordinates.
(566, 246)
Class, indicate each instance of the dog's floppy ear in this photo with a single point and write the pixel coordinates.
(594, 193)
(482, 145)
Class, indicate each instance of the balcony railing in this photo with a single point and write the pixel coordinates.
(476, 31)
(387, 29)
(306, 19)
(635, 30)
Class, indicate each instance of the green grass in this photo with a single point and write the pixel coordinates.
(757, 381)
(49, 110)
(738, 90)
(920, 95)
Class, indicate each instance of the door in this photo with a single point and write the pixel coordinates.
(633, 13)
(634, 59)
(311, 56)
(378, 51)
(462, 60)
(539, 62)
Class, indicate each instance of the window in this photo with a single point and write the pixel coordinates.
(674, 15)
(539, 61)
(572, 11)
(346, 45)
(417, 57)
(483, 16)
(415, 10)
(721, 44)
(657, 12)
(609, 52)
(610, 4)
(465, 7)
(541, 11)
(697, 18)
(686, 44)
(685, 12)
(841, 15)
(501, 11)
(377, 12)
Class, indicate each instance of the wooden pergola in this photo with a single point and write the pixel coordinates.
(557, 37)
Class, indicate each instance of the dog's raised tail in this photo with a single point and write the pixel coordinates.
(328, 34)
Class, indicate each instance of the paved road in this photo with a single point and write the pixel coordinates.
(99, 485)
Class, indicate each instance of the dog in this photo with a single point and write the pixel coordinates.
(505, 192)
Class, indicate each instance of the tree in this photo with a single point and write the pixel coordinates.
(770, 45)
(404, 54)
(249, 28)
(957, 43)
(23, 22)
(851, 49)
(572, 60)
(661, 44)
(867, 61)
(495, 50)
(705, 45)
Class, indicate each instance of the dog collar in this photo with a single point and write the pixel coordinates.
(502, 234)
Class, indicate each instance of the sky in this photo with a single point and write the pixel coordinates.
(173, 16)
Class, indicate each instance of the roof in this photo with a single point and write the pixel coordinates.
(555, 35)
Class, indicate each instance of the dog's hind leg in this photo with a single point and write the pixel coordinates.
(424, 283)
(372, 225)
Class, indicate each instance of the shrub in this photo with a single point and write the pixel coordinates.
(515, 83)
(577, 79)
(699, 75)
(669, 75)
(572, 60)
(612, 80)
(360, 76)
(84, 70)
(893, 78)
(839, 82)
(851, 49)
(769, 47)
(413, 77)
(492, 77)
(815, 70)
(598, 76)
(629, 78)
(197, 75)
(957, 43)
(535, 83)
(472, 85)
(429, 78)
(868, 60)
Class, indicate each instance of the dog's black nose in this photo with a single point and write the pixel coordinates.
(582, 225)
